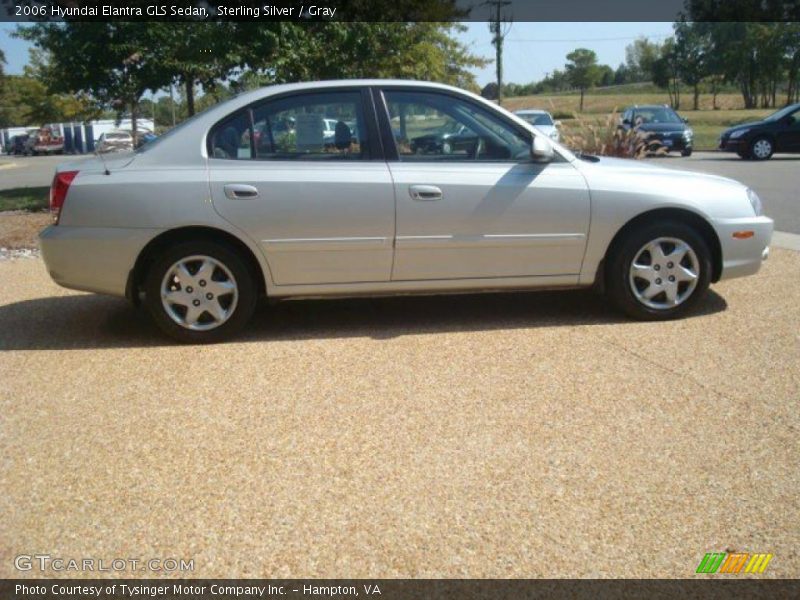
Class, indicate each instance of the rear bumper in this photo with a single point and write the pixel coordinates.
(743, 256)
(92, 259)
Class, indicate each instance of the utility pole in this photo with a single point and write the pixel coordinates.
(499, 27)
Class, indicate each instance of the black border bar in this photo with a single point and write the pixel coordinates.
(401, 10)
(395, 589)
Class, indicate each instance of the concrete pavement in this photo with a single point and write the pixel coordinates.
(517, 435)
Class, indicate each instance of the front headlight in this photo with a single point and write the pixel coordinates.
(688, 134)
(755, 202)
(739, 133)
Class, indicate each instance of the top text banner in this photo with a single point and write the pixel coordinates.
(402, 10)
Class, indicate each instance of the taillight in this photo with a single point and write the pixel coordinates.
(58, 192)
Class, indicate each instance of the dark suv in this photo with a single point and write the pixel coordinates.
(662, 124)
(779, 132)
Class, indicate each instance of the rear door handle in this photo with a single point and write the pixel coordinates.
(424, 193)
(238, 191)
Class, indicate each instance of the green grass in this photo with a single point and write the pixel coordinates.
(27, 198)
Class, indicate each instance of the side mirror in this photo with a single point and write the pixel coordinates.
(626, 121)
(685, 119)
(541, 149)
(557, 124)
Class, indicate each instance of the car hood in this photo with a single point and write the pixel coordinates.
(647, 176)
(662, 127)
(742, 126)
(101, 162)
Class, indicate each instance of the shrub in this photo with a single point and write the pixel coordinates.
(607, 138)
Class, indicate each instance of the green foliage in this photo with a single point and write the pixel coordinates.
(582, 70)
(116, 63)
(27, 198)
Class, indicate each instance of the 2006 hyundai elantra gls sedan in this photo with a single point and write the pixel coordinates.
(319, 189)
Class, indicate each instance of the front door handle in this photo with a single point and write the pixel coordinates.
(239, 191)
(424, 193)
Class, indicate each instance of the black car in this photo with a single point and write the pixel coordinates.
(779, 132)
(662, 124)
(17, 144)
(453, 138)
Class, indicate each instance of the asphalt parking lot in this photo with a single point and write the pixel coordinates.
(520, 435)
(776, 180)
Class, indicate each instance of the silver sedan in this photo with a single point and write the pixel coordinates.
(361, 187)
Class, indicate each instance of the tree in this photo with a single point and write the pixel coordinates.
(639, 59)
(691, 48)
(582, 70)
(114, 63)
(195, 54)
(666, 72)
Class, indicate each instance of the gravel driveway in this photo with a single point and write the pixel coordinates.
(526, 435)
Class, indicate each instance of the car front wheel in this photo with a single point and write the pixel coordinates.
(200, 292)
(659, 271)
(761, 148)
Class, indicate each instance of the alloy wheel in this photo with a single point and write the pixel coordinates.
(664, 273)
(762, 149)
(199, 293)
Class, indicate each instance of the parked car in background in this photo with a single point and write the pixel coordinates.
(17, 143)
(43, 141)
(48, 142)
(759, 140)
(115, 141)
(293, 217)
(451, 138)
(661, 123)
(542, 120)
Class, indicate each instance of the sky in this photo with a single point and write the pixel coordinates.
(531, 50)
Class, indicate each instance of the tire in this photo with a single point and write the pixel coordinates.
(233, 300)
(628, 291)
(687, 152)
(761, 148)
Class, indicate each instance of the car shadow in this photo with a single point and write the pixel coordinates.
(91, 321)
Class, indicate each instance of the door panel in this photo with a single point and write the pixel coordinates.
(492, 220)
(317, 223)
(299, 174)
(481, 210)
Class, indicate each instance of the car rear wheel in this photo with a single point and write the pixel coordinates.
(659, 271)
(200, 292)
(761, 148)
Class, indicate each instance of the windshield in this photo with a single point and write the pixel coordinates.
(537, 118)
(784, 112)
(655, 115)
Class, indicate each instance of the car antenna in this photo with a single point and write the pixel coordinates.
(103, 160)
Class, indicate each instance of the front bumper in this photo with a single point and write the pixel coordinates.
(732, 145)
(92, 259)
(741, 255)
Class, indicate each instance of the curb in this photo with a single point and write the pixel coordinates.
(787, 241)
